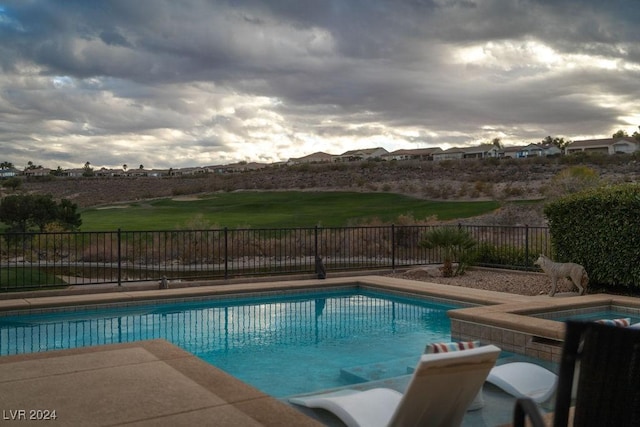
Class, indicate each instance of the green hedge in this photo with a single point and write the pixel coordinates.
(600, 229)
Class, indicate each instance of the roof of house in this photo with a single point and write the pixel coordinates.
(477, 148)
(452, 150)
(513, 148)
(363, 151)
(601, 142)
(316, 155)
(415, 151)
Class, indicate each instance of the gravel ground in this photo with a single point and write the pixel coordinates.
(515, 282)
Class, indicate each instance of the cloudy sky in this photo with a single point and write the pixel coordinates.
(178, 83)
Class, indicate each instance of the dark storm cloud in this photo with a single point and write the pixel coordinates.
(179, 83)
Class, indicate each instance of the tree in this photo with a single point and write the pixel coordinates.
(455, 243)
(636, 135)
(141, 167)
(6, 165)
(31, 165)
(497, 143)
(68, 216)
(124, 167)
(13, 183)
(620, 134)
(24, 212)
(88, 170)
(558, 142)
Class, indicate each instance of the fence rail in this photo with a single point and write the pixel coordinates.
(44, 260)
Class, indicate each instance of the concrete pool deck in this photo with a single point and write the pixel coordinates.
(146, 383)
(156, 383)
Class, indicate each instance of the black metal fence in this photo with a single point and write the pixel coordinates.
(44, 260)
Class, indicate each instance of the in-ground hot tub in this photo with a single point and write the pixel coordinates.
(535, 327)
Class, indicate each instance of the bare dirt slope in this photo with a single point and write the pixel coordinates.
(473, 179)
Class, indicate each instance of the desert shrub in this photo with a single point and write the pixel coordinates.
(513, 191)
(407, 187)
(12, 183)
(428, 190)
(101, 249)
(572, 180)
(578, 158)
(445, 191)
(446, 164)
(491, 161)
(464, 190)
(503, 255)
(455, 243)
(481, 187)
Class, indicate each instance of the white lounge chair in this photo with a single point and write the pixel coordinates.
(524, 379)
(441, 388)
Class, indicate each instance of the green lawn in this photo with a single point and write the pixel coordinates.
(22, 277)
(274, 210)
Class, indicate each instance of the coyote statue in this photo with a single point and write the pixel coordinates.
(560, 270)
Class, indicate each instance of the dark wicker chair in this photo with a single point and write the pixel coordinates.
(608, 383)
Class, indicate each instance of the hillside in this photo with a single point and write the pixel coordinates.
(509, 179)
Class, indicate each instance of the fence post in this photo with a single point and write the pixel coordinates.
(526, 245)
(226, 253)
(315, 242)
(393, 248)
(119, 257)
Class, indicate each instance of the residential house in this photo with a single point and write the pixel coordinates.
(476, 152)
(37, 172)
(317, 157)
(9, 173)
(624, 144)
(511, 152)
(531, 150)
(414, 154)
(137, 172)
(191, 171)
(107, 173)
(362, 154)
(550, 150)
(480, 152)
(73, 173)
(156, 173)
(454, 153)
(244, 166)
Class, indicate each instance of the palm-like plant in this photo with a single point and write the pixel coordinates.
(455, 243)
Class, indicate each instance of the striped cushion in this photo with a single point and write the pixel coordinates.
(445, 347)
(623, 322)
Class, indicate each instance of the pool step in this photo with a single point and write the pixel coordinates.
(378, 371)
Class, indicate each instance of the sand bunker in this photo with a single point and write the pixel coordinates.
(114, 207)
(185, 199)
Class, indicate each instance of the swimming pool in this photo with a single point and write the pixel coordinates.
(282, 345)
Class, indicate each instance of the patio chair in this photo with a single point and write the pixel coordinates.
(606, 362)
(525, 380)
(443, 385)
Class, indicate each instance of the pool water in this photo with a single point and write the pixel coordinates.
(595, 314)
(283, 346)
